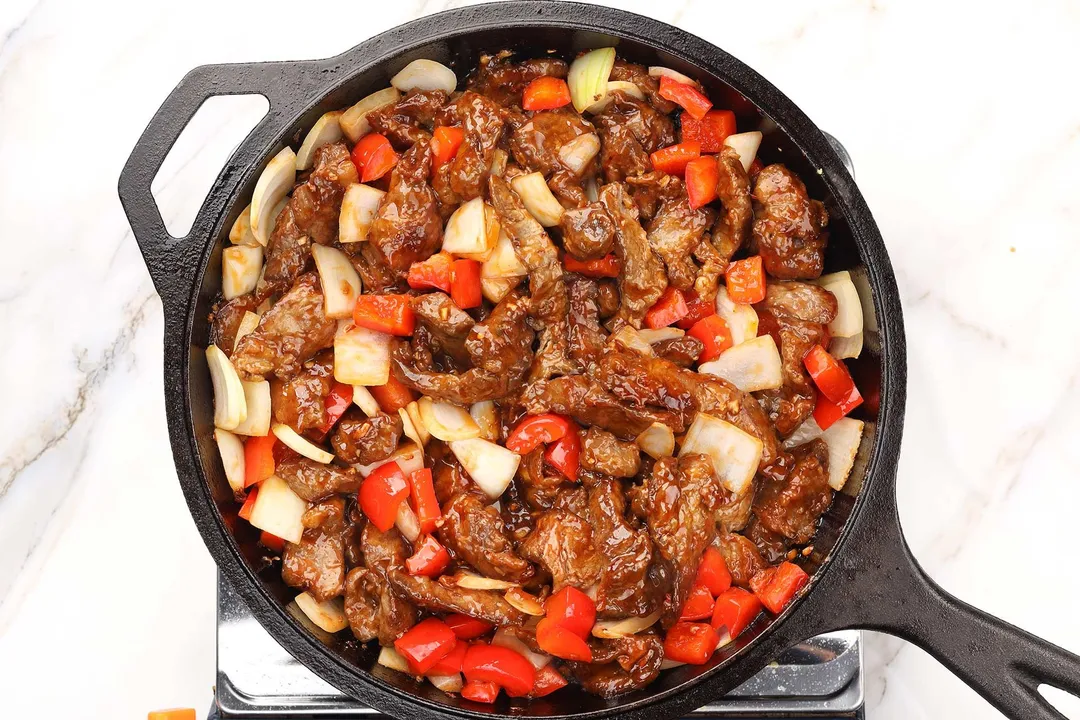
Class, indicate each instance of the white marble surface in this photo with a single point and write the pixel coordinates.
(964, 125)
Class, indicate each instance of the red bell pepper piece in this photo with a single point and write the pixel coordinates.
(536, 430)
(425, 502)
(392, 314)
(480, 691)
(467, 628)
(686, 96)
(830, 375)
(392, 396)
(504, 667)
(445, 142)
(548, 680)
(710, 131)
(699, 605)
(605, 267)
(425, 644)
(258, 459)
(565, 454)
(781, 586)
(735, 610)
(432, 273)
(272, 541)
(745, 280)
(465, 284)
(713, 573)
(336, 403)
(560, 642)
(429, 559)
(714, 334)
(826, 412)
(572, 609)
(669, 308)
(702, 175)
(249, 503)
(697, 309)
(673, 158)
(373, 157)
(451, 664)
(691, 643)
(381, 493)
(545, 93)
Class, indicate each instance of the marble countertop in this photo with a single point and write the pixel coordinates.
(964, 126)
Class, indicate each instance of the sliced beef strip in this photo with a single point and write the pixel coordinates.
(642, 280)
(375, 275)
(682, 351)
(489, 605)
(587, 338)
(483, 123)
(605, 453)
(475, 534)
(314, 481)
(446, 323)
(588, 402)
(788, 226)
(516, 514)
(362, 440)
(621, 155)
(289, 334)
(646, 83)
(607, 298)
(626, 588)
(673, 233)
(447, 474)
(649, 191)
(792, 506)
(362, 599)
(790, 404)
(562, 544)
(588, 232)
(732, 227)
(734, 511)
(384, 553)
(465, 388)
(801, 301)
(503, 81)
(568, 188)
(774, 547)
(410, 119)
(712, 266)
(407, 227)
(652, 130)
(540, 484)
(635, 662)
(316, 564)
(310, 215)
(225, 321)
(299, 401)
(536, 144)
(741, 556)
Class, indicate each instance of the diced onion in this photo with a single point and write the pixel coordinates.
(627, 626)
(240, 233)
(588, 76)
(472, 581)
(275, 213)
(425, 75)
(362, 357)
(659, 71)
(257, 399)
(525, 602)
(503, 261)
(633, 340)
(278, 510)
(446, 421)
(231, 451)
(657, 441)
(491, 466)
(354, 122)
(849, 316)
(340, 283)
(495, 289)
(391, 658)
(364, 400)
(447, 683)
(248, 323)
(653, 336)
(735, 454)
(407, 522)
(487, 420)
(498, 162)
(579, 152)
(846, 347)
(413, 411)
(300, 444)
(615, 86)
(230, 407)
(274, 184)
(409, 428)
(592, 191)
(750, 366)
(408, 457)
(240, 268)
(503, 638)
(742, 320)
(358, 210)
(746, 145)
(329, 615)
(326, 130)
(537, 198)
(466, 231)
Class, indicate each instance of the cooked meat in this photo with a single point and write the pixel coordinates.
(225, 321)
(626, 588)
(713, 265)
(587, 232)
(734, 511)
(792, 506)
(362, 603)
(310, 215)
(587, 338)
(298, 402)
(536, 144)
(651, 129)
(788, 226)
(682, 351)
(410, 119)
(607, 297)
(384, 552)
(474, 533)
(314, 481)
(516, 514)
(288, 335)
(482, 122)
(489, 605)
(447, 474)
(673, 234)
(790, 404)
(375, 275)
(568, 189)
(562, 544)
(635, 663)
(732, 227)
(621, 155)
(647, 84)
(649, 191)
(800, 301)
(605, 453)
(465, 388)
(773, 547)
(590, 404)
(504, 81)
(741, 557)
(541, 485)
(447, 324)
(642, 280)
(317, 563)
(407, 227)
(362, 440)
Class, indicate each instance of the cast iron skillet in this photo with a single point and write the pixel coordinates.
(864, 574)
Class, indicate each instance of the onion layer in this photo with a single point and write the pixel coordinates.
(425, 75)
(340, 283)
(300, 444)
(274, 184)
(537, 198)
(358, 210)
(278, 510)
(326, 130)
(735, 454)
(230, 407)
(241, 266)
(329, 615)
(588, 76)
(354, 121)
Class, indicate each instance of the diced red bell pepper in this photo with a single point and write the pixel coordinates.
(545, 93)
(686, 96)
(673, 158)
(249, 503)
(392, 314)
(425, 644)
(713, 573)
(572, 609)
(258, 459)
(697, 309)
(781, 586)
(690, 643)
(445, 142)
(432, 273)
(425, 502)
(505, 667)
(373, 156)
(480, 691)
(714, 334)
(826, 412)
(699, 605)
(548, 680)
(392, 396)
(565, 454)
(669, 308)
(467, 628)
(272, 541)
(429, 559)
(830, 375)
(605, 267)
(336, 403)
(381, 493)
(745, 280)
(536, 430)
(710, 131)
(451, 664)
(735, 610)
(465, 288)
(560, 642)
(702, 175)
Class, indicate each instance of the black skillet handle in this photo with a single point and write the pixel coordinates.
(169, 259)
(876, 584)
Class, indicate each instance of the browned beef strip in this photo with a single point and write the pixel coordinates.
(362, 598)
(447, 474)
(590, 404)
(652, 130)
(607, 298)
(310, 215)
(503, 81)
(447, 324)
(315, 481)
(642, 280)
(539, 483)
(587, 338)
(682, 351)
(370, 265)
(317, 563)
(626, 588)
(790, 404)
(605, 453)
(502, 343)
(225, 321)
(489, 605)
(474, 533)
(649, 191)
(562, 544)
(712, 267)
(774, 547)
(788, 226)
(407, 227)
(482, 120)
(516, 513)
(734, 510)
(568, 188)
(384, 553)
(288, 335)
(363, 440)
(464, 388)
(741, 556)
(647, 84)
(732, 227)
(801, 301)
(410, 119)
(299, 401)
(635, 662)
(536, 144)
(792, 506)
(621, 155)
(587, 232)
(673, 233)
